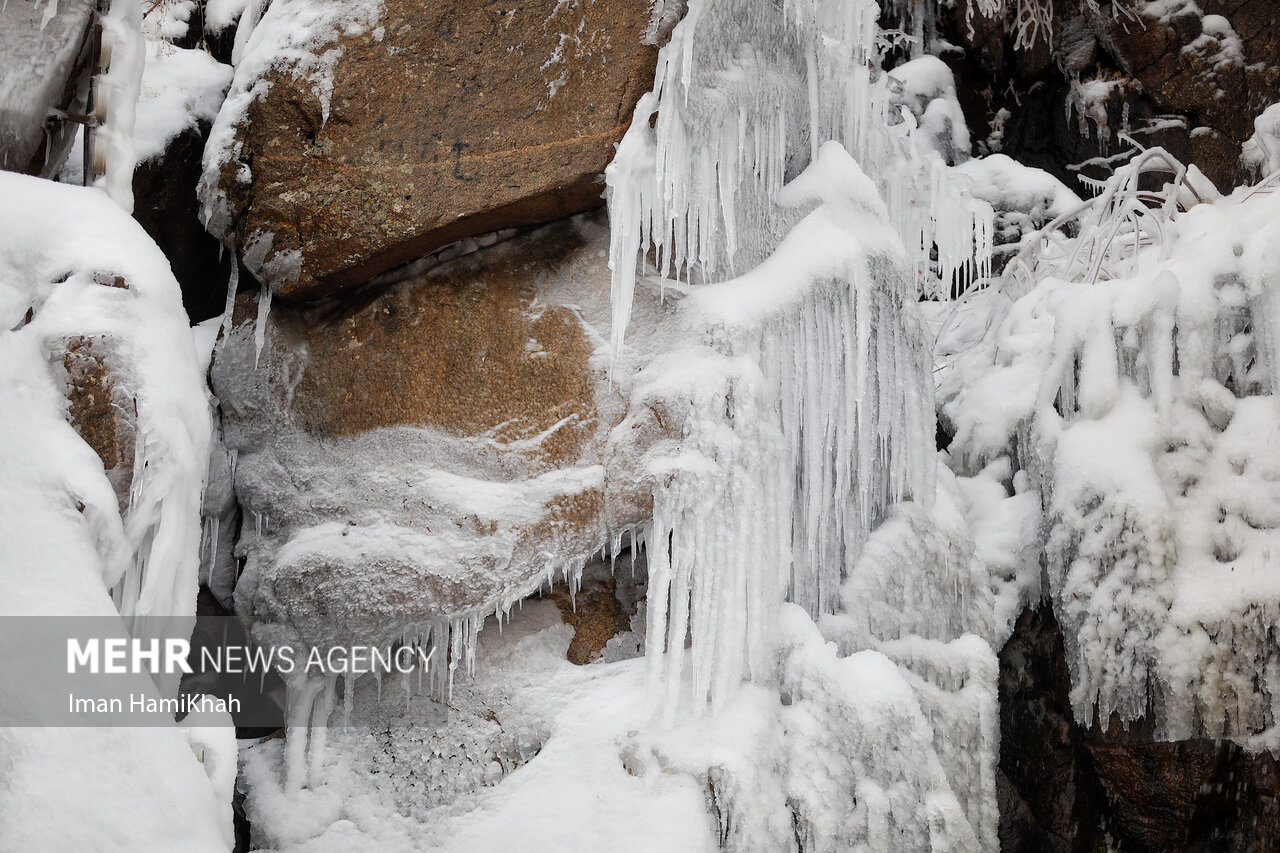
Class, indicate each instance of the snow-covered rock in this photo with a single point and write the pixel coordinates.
(1138, 392)
(428, 454)
(356, 138)
(75, 267)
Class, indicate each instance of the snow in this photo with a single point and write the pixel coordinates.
(180, 90)
(529, 726)
(1218, 44)
(66, 548)
(924, 86)
(57, 239)
(220, 14)
(1261, 151)
(1012, 188)
(167, 21)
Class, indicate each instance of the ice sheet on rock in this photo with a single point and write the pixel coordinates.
(63, 542)
(41, 43)
(390, 532)
(295, 37)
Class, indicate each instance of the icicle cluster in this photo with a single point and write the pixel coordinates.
(806, 412)
(744, 95)
(445, 644)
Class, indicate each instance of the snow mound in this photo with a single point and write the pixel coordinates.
(180, 90)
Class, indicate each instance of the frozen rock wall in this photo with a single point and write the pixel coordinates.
(1146, 423)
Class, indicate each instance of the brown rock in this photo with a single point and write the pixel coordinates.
(464, 350)
(595, 614)
(445, 439)
(100, 406)
(459, 119)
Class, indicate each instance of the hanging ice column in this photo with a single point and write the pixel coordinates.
(123, 54)
(806, 403)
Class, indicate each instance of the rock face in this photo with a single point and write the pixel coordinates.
(1066, 787)
(165, 204)
(428, 450)
(46, 66)
(446, 120)
(604, 606)
(100, 405)
(1188, 78)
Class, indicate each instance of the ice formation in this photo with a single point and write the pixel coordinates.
(1141, 359)
(124, 53)
(793, 196)
(744, 95)
(804, 388)
(803, 393)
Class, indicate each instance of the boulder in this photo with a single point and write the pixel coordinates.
(433, 449)
(446, 120)
(47, 51)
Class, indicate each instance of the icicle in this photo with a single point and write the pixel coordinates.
(228, 311)
(260, 327)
